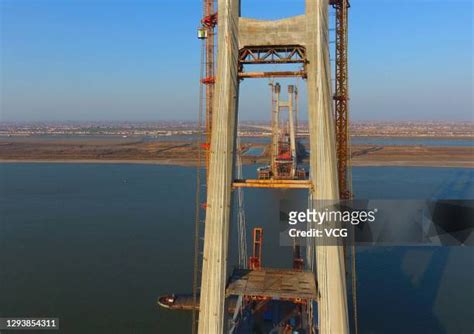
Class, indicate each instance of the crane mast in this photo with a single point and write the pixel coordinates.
(341, 97)
(206, 33)
(209, 23)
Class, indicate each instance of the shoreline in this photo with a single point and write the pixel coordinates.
(430, 164)
(183, 153)
(100, 162)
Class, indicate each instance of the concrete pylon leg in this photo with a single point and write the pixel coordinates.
(216, 235)
(332, 305)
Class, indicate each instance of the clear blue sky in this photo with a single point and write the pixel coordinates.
(139, 60)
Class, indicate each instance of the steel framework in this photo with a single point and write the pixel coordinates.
(341, 101)
(209, 23)
(275, 54)
(341, 97)
(272, 54)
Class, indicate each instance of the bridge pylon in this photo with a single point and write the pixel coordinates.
(242, 42)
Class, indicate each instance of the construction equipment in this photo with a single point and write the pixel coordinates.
(255, 261)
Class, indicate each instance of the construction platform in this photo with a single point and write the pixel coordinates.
(283, 184)
(286, 284)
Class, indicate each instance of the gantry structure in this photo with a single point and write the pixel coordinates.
(242, 42)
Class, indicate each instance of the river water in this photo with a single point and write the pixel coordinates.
(96, 244)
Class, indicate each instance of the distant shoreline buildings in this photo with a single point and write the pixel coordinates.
(248, 129)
